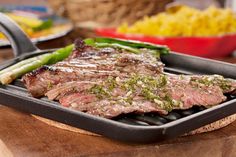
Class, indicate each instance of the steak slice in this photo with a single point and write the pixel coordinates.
(139, 94)
(90, 64)
(191, 93)
(108, 108)
(67, 88)
(227, 85)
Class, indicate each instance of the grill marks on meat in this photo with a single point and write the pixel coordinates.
(190, 93)
(78, 100)
(61, 90)
(90, 65)
(133, 95)
(44, 79)
(108, 82)
(107, 108)
(141, 64)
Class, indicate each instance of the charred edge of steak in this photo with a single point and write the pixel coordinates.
(82, 50)
(40, 71)
(79, 44)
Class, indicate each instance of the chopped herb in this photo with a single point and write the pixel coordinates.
(148, 94)
(129, 100)
(145, 81)
(111, 83)
(162, 81)
(99, 91)
(146, 86)
(168, 103)
(131, 83)
(49, 86)
(215, 80)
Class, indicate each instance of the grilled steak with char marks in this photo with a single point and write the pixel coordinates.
(90, 64)
(108, 82)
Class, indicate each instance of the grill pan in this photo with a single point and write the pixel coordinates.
(133, 128)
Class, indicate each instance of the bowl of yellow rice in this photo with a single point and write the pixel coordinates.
(207, 33)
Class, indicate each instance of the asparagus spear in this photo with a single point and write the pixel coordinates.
(11, 73)
(132, 46)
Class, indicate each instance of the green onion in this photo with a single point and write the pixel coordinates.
(11, 73)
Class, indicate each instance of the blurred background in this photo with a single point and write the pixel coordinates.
(196, 27)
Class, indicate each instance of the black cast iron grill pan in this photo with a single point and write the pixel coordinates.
(144, 128)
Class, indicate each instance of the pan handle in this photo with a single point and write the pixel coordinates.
(20, 42)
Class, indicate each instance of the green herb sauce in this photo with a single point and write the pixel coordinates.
(99, 91)
(145, 86)
(224, 84)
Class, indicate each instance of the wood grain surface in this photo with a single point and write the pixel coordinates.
(23, 136)
(4, 151)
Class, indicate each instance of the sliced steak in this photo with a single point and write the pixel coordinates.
(191, 93)
(108, 108)
(227, 85)
(67, 88)
(90, 64)
(115, 95)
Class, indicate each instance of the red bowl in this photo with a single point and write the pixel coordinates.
(209, 47)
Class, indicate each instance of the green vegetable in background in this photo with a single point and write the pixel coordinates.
(45, 25)
(132, 46)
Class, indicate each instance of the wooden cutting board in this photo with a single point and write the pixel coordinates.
(23, 136)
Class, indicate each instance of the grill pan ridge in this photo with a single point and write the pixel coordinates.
(144, 128)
